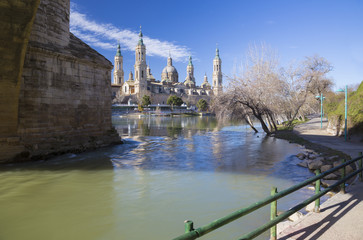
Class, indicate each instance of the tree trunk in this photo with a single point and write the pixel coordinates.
(263, 124)
(267, 120)
(298, 109)
(258, 115)
(272, 120)
(248, 121)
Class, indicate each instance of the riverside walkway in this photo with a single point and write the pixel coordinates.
(341, 216)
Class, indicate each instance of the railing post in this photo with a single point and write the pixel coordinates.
(273, 235)
(360, 167)
(188, 226)
(342, 186)
(317, 191)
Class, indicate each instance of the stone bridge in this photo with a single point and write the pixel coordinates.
(16, 22)
(55, 93)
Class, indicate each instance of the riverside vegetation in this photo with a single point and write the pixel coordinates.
(334, 109)
(272, 94)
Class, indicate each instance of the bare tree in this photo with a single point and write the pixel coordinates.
(266, 92)
(303, 82)
(225, 106)
(257, 87)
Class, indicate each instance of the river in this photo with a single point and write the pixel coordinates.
(168, 170)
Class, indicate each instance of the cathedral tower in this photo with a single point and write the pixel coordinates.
(190, 69)
(118, 73)
(190, 80)
(205, 84)
(140, 65)
(217, 74)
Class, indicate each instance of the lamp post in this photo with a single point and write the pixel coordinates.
(346, 111)
(321, 109)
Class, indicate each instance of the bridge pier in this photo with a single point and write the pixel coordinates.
(55, 93)
(16, 21)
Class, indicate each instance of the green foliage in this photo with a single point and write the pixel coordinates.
(140, 108)
(335, 107)
(202, 105)
(145, 101)
(332, 102)
(174, 101)
(285, 126)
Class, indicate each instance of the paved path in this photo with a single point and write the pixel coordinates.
(341, 216)
(312, 132)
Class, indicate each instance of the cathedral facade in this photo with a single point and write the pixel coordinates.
(142, 82)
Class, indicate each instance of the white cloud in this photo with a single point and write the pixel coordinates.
(106, 36)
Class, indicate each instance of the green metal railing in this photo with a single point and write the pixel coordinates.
(191, 233)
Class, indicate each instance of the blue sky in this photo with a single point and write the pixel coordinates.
(295, 29)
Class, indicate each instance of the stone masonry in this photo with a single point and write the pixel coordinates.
(16, 21)
(65, 94)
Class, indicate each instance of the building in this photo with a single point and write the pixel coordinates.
(142, 82)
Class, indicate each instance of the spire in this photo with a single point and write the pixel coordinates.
(190, 61)
(141, 42)
(170, 61)
(217, 52)
(131, 77)
(118, 53)
(205, 77)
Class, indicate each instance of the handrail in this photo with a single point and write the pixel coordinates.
(191, 233)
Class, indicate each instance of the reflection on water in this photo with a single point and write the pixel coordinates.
(195, 143)
(168, 170)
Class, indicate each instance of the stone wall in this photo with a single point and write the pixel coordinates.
(16, 21)
(65, 94)
(335, 125)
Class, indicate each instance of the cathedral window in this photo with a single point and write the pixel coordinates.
(119, 80)
(142, 74)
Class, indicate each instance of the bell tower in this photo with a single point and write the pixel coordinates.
(190, 69)
(140, 66)
(118, 73)
(217, 74)
(140, 60)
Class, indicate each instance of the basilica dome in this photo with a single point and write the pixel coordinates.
(170, 69)
(169, 73)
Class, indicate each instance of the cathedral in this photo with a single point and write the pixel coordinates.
(142, 82)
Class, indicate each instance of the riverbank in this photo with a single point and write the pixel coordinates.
(302, 136)
(167, 114)
(339, 212)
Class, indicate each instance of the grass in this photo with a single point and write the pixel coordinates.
(335, 108)
(295, 122)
